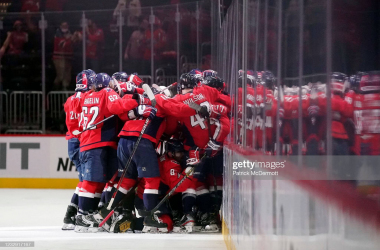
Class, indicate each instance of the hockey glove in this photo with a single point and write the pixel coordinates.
(212, 148)
(128, 87)
(188, 171)
(203, 112)
(141, 100)
(146, 111)
(193, 157)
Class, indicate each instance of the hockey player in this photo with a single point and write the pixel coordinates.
(72, 123)
(196, 130)
(341, 111)
(172, 171)
(208, 216)
(98, 145)
(289, 119)
(266, 107)
(365, 100)
(315, 120)
(250, 106)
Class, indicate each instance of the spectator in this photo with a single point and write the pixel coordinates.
(94, 41)
(15, 43)
(62, 56)
(135, 49)
(134, 11)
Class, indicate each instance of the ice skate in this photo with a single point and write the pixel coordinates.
(185, 225)
(208, 222)
(153, 224)
(69, 219)
(90, 223)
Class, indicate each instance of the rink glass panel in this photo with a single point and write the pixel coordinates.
(302, 43)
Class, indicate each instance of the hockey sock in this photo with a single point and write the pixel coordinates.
(86, 199)
(216, 197)
(98, 194)
(188, 200)
(129, 202)
(74, 198)
(204, 200)
(150, 195)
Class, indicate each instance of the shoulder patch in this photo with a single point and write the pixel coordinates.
(162, 158)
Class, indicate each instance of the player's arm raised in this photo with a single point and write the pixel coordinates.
(119, 106)
(173, 107)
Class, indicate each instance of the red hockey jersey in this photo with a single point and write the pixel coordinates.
(366, 114)
(196, 131)
(72, 118)
(165, 107)
(95, 107)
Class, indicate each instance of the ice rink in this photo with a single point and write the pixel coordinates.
(37, 214)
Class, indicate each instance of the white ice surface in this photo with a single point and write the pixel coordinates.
(37, 214)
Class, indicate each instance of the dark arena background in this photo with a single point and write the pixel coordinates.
(214, 124)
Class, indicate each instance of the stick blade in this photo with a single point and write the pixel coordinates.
(76, 132)
(150, 94)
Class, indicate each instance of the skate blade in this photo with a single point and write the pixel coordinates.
(197, 228)
(213, 228)
(129, 231)
(82, 229)
(68, 227)
(154, 230)
(183, 230)
(150, 230)
(102, 230)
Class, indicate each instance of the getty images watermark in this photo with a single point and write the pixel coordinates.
(257, 168)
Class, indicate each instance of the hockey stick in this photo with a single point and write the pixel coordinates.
(150, 94)
(77, 132)
(123, 175)
(153, 100)
(198, 108)
(171, 85)
(128, 162)
(113, 210)
(151, 212)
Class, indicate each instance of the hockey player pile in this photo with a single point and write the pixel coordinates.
(116, 128)
(159, 150)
